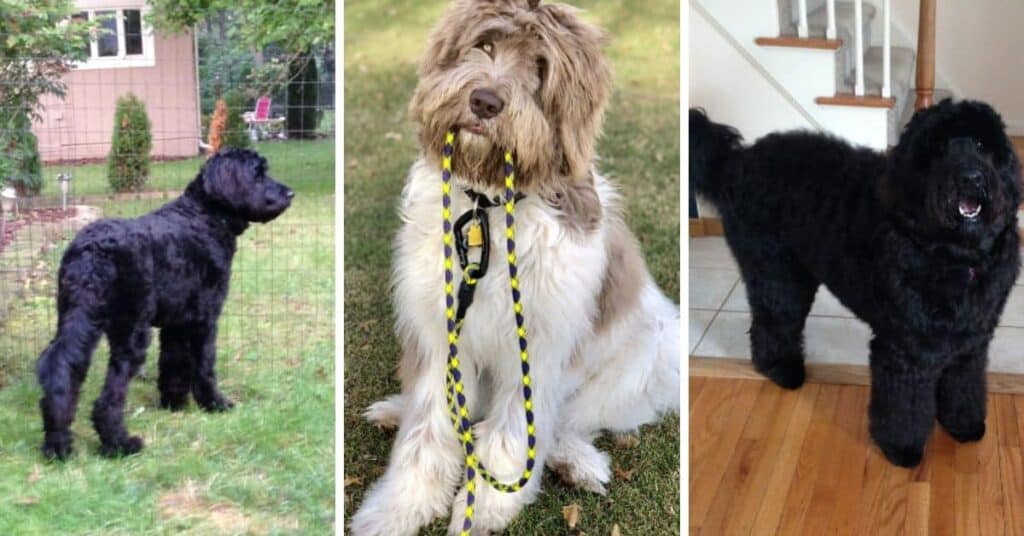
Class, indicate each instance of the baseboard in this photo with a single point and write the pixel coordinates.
(706, 227)
(716, 367)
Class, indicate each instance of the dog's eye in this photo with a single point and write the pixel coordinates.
(487, 46)
(542, 69)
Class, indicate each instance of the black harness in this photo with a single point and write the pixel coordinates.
(473, 271)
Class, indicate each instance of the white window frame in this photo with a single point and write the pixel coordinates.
(122, 60)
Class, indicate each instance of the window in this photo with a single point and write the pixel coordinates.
(121, 39)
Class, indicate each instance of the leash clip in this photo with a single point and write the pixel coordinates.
(464, 241)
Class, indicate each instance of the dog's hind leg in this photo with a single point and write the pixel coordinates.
(128, 340)
(176, 367)
(633, 380)
(204, 378)
(780, 292)
(61, 370)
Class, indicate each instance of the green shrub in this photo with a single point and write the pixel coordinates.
(20, 165)
(128, 163)
(235, 132)
(303, 97)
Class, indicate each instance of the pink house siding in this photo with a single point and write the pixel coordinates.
(80, 125)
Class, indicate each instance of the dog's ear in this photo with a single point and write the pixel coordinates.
(577, 85)
(221, 181)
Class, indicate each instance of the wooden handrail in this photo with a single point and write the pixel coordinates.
(925, 55)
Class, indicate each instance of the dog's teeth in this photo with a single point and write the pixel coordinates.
(970, 212)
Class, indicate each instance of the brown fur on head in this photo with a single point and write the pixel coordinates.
(544, 63)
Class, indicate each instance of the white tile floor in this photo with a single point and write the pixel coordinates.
(720, 317)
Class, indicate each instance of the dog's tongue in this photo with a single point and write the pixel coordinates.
(969, 207)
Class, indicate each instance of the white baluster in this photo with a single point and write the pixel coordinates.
(830, 32)
(858, 38)
(801, 30)
(886, 50)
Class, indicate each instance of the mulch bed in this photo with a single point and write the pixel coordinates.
(27, 217)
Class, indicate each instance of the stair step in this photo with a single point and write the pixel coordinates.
(849, 99)
(902, 65)
(902, 71)
(817, 20)
(797, 42)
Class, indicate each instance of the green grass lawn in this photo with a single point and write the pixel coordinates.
(173, 175)
(640, 150)
(267, 467)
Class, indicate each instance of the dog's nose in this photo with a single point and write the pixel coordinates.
(971, 176)
(485, 103)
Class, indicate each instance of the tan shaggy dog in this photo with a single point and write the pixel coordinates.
(603, 339)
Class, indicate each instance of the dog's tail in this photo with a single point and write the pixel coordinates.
(712, 147)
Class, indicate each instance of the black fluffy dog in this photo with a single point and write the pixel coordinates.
(921, 244)
(170, 269)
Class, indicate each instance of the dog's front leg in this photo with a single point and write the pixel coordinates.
(176, 367)
(902, 408)
(502, 439)
(426, 458)
(961, 396)
(204, 380)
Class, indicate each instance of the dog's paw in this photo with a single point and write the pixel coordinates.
(385, 414)
(482, 525)
(130, 445)
(373, 522)
(968, 433)
(903, 456)
(57, 450)
(173, 403)
(216, 404)
(789, 375)
(589, 473)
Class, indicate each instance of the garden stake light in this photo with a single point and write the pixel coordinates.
(457, 405)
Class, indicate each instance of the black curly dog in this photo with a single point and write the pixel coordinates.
(921, 244)
(169, 269)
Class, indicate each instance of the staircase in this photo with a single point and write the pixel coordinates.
(834, 61)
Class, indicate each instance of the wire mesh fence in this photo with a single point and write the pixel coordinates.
(137, 118)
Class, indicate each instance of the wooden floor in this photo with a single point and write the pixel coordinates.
(768, 461)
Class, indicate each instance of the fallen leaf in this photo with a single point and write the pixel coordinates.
(623, 474)
(26, 501)
(352, 481)
(393, 136)
(571, 514)
(615, 530)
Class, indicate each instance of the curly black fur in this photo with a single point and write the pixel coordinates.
(891, 236)
(169, 269)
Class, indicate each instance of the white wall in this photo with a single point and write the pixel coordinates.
(723, 82)
(978, 47)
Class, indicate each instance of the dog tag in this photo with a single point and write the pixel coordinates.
(475, 238)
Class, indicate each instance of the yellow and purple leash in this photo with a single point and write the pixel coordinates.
(457, 406)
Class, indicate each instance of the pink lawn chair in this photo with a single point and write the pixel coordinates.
(259, 121)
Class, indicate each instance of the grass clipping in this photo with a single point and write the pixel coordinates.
(187, 503)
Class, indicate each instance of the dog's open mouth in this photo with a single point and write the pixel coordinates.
(969, 208)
